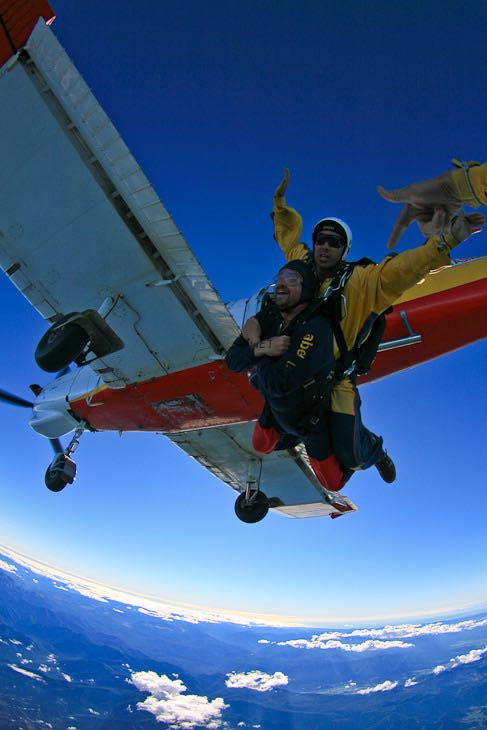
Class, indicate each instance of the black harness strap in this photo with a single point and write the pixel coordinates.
(359, 359)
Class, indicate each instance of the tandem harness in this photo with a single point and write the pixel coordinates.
(313, 398)
(359, 359)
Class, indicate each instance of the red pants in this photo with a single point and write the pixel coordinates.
(327, 470)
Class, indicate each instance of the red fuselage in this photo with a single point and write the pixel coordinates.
(448, 311)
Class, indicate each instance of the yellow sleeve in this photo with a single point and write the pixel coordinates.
(288, 226)
(471, 184)
(377, 287)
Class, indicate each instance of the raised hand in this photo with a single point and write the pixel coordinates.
(432, 203)
(283, 185)
(465, 225)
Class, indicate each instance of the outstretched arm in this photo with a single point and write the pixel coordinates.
(375, 287)
(288, 224)
(433, 203)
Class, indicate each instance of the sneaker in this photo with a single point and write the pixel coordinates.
(385, 467)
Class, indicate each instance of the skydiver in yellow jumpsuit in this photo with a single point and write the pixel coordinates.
(372, 288)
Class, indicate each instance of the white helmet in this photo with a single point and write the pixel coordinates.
(337, 226)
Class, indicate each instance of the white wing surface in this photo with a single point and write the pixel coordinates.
(284, 476)
(80, 225)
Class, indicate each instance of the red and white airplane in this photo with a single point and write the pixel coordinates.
(93, 249)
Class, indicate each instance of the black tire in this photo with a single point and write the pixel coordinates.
(59, 347)
(54, 481)
(254, 512)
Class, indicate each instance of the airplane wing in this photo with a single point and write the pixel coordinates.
(285, 477)
(82, 228)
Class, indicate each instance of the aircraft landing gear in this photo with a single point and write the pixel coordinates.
(62, 470)
(60, 345)
(252, 508)
(252, 505)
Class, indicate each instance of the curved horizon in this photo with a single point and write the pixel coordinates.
(165, 607)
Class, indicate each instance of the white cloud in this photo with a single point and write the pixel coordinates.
(410, 682)
(328, 639)
(409, 631)
(16, 642)
(66, 677)
(8, 567)
(474, 655)
(387, 637)
(384, 687)
(92, 711)
(370, 645)
(25, 672)
(256, 680)
(168, 703)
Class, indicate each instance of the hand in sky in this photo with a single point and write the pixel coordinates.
(432, 203)
(283, 185)
(465, 225)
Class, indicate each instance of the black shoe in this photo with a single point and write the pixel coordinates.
(385, 467)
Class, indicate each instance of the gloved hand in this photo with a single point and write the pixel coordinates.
(432, 203)
(463, 226)
(283, 185)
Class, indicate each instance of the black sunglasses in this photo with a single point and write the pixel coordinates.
(330, 239)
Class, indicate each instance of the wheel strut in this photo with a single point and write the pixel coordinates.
(62, 470)
(252, 505)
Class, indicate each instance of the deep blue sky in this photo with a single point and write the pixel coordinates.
(214, 100)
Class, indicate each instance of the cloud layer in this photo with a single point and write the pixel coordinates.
(387, 637)
(371, 645)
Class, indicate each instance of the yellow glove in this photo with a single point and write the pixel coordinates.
(433, 203)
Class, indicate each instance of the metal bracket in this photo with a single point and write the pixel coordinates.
(412, 338)
(103, 340)
(163, 282)
(254, 474)
(74, 443)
